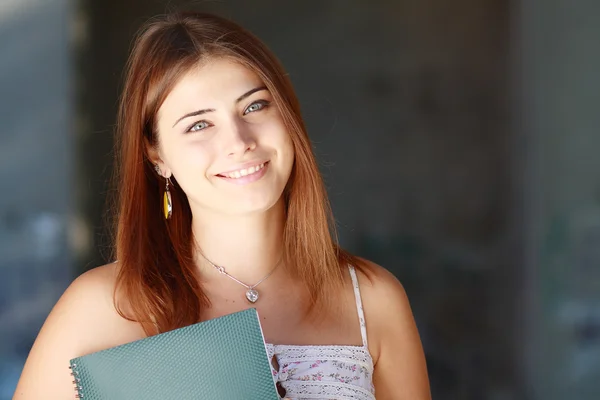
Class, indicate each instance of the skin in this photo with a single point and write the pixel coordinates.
(237, 226)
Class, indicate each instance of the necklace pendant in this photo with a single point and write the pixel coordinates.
(252, 295)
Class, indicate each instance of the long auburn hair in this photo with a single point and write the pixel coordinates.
(156, 271)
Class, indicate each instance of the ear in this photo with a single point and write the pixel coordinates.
(153, 154)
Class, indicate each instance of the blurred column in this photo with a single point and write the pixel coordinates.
(36, 201)
(559, 64)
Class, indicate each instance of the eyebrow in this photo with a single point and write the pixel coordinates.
(207, 110)
(250, 92)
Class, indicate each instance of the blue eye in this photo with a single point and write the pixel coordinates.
(198, 126)
(256, 106)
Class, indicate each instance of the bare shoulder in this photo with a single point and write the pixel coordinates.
(89, 298)
(83, 320)
(383, 295)
(95, 287)
(394, 342)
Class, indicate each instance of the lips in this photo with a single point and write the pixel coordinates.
(249, 170)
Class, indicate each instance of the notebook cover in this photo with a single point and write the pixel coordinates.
(223, 358)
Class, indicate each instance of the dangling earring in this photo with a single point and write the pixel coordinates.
(167, 203)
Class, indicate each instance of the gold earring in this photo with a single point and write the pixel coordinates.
(167, 202)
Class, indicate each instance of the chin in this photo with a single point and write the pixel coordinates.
(255, 206)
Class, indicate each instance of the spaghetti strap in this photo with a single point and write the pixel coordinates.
(359, 307)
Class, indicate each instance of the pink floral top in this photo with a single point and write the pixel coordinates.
(326, 372)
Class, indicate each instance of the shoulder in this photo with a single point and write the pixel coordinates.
(84, 320)
(88, 305)
(385, 303)
(95, 284)
(394, 340)
(382, 293)
(89, 297)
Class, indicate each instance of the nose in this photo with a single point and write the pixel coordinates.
(241, 140)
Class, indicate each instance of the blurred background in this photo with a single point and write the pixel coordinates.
(458, 141)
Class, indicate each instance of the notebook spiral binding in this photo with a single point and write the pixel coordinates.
(76, 381)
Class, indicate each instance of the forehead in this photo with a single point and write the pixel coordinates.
(218, 80)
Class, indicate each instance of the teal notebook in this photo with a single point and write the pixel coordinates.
(223, 358)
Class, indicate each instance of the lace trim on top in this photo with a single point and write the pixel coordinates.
(328, 390)
(288, 354)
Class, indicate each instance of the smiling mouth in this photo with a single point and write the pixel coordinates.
(240, 173)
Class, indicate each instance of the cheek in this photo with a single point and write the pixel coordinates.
(287, 145)
(280, 137)
(189, 158)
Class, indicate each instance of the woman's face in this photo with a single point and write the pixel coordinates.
(223, 139)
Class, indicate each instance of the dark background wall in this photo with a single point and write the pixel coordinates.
(36, 171)
(407, 105)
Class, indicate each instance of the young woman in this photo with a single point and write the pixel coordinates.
(221, 207)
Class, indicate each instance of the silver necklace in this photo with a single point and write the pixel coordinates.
(251, 294)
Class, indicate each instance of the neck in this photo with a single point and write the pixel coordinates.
(248, 247)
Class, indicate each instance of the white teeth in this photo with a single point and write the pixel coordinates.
(245, 172)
